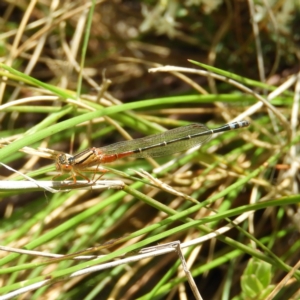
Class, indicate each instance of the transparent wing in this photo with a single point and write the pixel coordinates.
(163, 144)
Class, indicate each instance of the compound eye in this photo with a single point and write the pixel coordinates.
(63, 162)
(62, 159)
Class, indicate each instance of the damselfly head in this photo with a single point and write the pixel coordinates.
(63, 162)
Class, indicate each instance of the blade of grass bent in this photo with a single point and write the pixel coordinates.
(26, 141)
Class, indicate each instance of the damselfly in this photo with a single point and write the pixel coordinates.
(161, 144)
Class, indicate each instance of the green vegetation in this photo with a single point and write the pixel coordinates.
(76, 76)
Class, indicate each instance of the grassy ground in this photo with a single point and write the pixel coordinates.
(222, 221)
